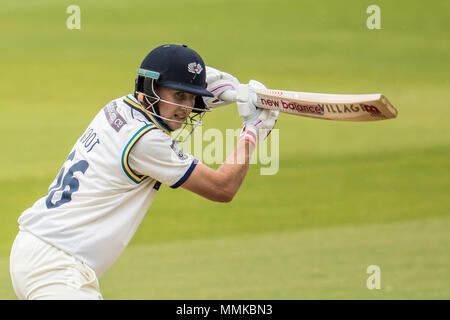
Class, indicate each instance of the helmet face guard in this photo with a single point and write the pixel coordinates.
(147, 86)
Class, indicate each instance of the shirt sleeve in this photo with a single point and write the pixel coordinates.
(157, 156)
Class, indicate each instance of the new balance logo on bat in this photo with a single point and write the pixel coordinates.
(319, 108)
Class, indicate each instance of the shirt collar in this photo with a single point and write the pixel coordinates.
(131, 101)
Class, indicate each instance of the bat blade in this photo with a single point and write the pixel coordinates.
(341, 107)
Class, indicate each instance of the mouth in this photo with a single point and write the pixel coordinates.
(180, 117)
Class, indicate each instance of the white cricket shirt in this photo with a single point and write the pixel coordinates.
(107, 184)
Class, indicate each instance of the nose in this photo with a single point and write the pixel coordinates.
(187, 109)
(190, 102)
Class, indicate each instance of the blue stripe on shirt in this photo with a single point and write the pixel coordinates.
(186, 175)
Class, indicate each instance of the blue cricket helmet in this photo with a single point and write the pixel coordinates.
(174, 66)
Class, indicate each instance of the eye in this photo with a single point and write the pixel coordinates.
(180, 95)
(183, 96)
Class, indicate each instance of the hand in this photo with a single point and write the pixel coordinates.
(257, 122)
(218, 82)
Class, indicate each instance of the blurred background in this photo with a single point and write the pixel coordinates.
(346, 195)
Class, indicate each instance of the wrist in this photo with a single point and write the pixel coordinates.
(249, 133)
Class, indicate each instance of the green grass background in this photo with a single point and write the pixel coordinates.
(346, 196)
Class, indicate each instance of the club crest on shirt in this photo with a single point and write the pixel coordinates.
(178, 151)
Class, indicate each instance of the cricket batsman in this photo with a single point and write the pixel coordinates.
(73, 234)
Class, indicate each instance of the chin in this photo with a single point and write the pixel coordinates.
(175, 126)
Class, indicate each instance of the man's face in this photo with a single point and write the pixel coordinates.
(174, 112)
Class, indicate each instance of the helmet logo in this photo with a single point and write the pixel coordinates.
(195, 68)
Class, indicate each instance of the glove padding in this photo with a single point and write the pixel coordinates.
(217, 83)
(258, 121)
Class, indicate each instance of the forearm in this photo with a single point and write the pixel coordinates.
(235, 167)
(222, 184)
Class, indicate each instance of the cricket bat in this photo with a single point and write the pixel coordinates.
(341, 107)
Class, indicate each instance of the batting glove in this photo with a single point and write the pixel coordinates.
(257, 122)
(217, 83)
